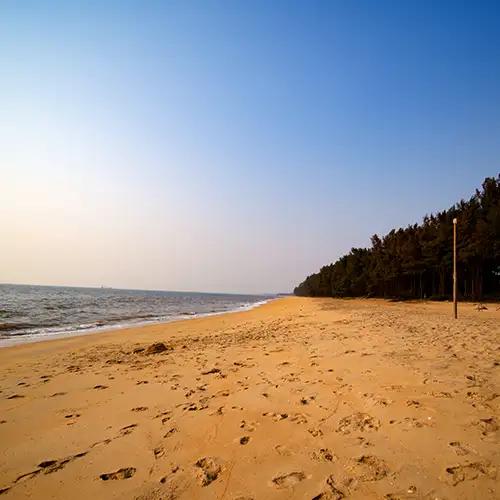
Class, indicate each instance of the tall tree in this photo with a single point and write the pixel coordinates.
(416, 262)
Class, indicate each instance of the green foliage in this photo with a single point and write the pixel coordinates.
(416, 262)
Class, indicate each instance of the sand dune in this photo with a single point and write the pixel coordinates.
(300, 398)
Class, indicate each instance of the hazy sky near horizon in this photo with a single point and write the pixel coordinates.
(234, 146)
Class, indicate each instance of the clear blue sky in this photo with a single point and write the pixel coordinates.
(234, 146)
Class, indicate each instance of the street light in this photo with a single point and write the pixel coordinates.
(455, 267)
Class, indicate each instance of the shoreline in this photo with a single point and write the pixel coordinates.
(30, 338)
(294, 399)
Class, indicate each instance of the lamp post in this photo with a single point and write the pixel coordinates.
(455, 268)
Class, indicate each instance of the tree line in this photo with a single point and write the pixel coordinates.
(416, 262)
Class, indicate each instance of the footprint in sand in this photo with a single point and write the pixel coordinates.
(173, 470)
(315, 432)
(50, 466)
(283, 450)
(323, 454)
(139, 408)
(332, 491)
(125, 473)
(164, 415)
(305, 401)
(460, 449)
(412, 422)
(288, 480)
(276, 416)
(72, 415)
(358, 422)
(248, 426)
(441, 394)
(413, 403)
(362, 441)
(299, 418)
(488, 426)
(127, 429)
(209, 470)
(410, 492)
(15, 396)
(47, 467)
(469, 472)
(372, 468)
(170, 432)
(211, 371)
(244, 440)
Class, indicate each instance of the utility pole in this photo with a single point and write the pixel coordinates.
(455, 268)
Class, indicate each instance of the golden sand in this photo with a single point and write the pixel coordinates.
(300, 398)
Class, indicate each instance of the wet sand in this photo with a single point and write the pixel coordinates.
(299, 398)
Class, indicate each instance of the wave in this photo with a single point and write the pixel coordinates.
(12, 333)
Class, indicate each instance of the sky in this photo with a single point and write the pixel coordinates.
(234, 146)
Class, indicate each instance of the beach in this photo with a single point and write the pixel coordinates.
(298, 398)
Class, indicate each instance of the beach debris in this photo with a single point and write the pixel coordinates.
(157, 348)
(124, 473)
(212, 370)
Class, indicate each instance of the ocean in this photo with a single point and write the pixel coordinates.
(29, 313)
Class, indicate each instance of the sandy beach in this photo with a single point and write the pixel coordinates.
(299, 398)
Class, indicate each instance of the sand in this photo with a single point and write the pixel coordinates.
(300, 398)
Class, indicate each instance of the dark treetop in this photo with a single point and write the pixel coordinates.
(416, 262)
